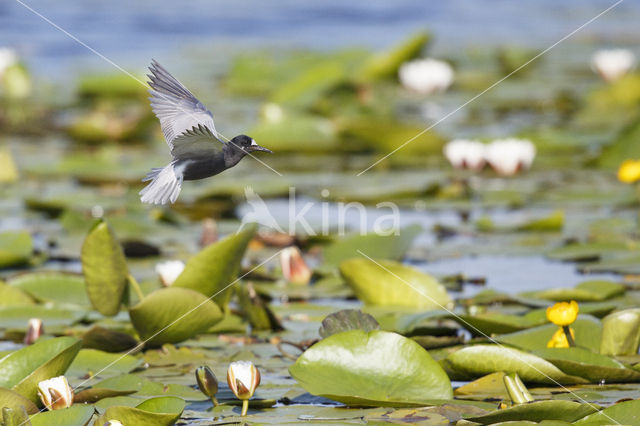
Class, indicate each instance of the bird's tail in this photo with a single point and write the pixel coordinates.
(164, 187)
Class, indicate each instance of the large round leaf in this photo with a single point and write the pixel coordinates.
(374, 368)
(592, 366)
(24, 369)
(479, 360)
(621, 333)
(173, 314)
(105, 269)
(152, 412)
(214, 269)
(388, 283)
(624, 413)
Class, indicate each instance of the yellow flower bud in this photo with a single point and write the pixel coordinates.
(629, 171)
(559, 339)
(563, 313)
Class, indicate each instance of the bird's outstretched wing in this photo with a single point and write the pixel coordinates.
(199, 142)
(174, 105)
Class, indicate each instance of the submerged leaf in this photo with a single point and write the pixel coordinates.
(345, 320)
(377, 368)
(105, 269)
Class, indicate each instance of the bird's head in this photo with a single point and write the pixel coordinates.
(247, 144)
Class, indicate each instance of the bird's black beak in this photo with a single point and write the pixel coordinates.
(260, 148)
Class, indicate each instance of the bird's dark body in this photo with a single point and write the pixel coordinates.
(197, 167)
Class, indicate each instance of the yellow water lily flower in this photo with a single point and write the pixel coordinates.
(563, 313)
(629, 171)
(559, 339)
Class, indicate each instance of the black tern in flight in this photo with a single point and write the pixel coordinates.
(195, 144)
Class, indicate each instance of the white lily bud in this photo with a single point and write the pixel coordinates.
(113, 423)
(34, 331)
(169, 271)
(463, 153)
(8, 57)
(426, 76)
(243, 378)
(55, 393)
(613, 64)
(294, 268)
(508, 156)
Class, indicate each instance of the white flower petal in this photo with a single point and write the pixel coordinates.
(169, 271)
(614, 63)
(426, 76)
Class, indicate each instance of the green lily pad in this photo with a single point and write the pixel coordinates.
(15, 248)
(14, 400)
(592, 366)
(538, 411)
(588, 331)
(623, 413)
(22, 370)
(161, 411)
(374, 368)
(588, 291)
(489, 385)
(173, 314)
(489, 323)
(18, 316)
(105, 269)
(389, 283)
(295, 131)
(92, 395)
(142, 386)
(303, 90)
(621, 333)
(213, 270)
(392, 247)
(10, 296)
(386, 64)
(110, 85)
(480, 360)
(57, 287)
(93, 361)
(76, 415)
(345, 320)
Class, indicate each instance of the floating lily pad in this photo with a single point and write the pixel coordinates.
(479, 360)
(588, 291)
(18, 316)
(15, 249)
(592, 366)
(24, 369)
(538, 411)
(10, 296)
(161, 411)
(105, 269)
(95, 362)
(588, 331)
(57, 287)
(374, 368)
(76, 415)
(172, 315)
(621, 333)
(107, 340)
(92, 395)
(213, 271)
(623, 413)
(489, 385)
(388, 283)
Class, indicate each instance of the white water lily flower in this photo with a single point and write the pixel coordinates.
(8, 57)
(169, 271)
(613, 64)
(55, 393)
(426, 76)
(113, 423)
(294, 268)
(508, 156)
(243, 379)
(464, 153)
